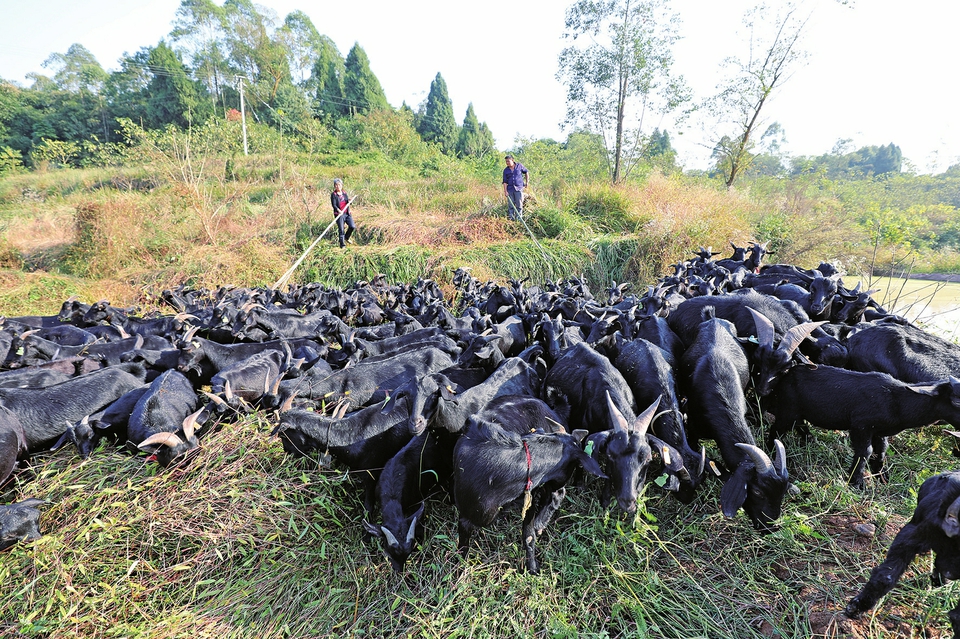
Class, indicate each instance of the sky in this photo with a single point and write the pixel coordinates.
(878, 71)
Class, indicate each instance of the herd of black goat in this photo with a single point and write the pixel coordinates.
(505, 392)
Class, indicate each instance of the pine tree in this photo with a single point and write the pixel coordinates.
(327, 75)
(361, 88)
(438, 124)
(173, 96)
(472, 141)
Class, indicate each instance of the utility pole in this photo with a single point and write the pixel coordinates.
(243, 114)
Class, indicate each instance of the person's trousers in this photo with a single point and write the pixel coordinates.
(514, 204)
(345, 220)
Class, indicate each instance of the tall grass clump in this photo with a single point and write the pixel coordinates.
(608, 208)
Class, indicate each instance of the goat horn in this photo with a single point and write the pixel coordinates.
(619, 421)
(227, 391)
(138, 343)
(642, 423)
(760, 458)
(703, 461)
(342, 410)
(287, 403)
(951, 521)
(780, 458)
(792, 338)
(389, 537)
(765, 330)
(167, 439)
(276, 384)
(215, 398)
(190, 423)
(413, 528)
(188, 336)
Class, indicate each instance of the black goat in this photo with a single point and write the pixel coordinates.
(167, 447)
(715, 372)
(646, 368)
(423, 465)
(624, 452)
(370, 381)
(18, 522)
(935, 526)
(903, 351)
(493, 466)
(162, 409)
(580, 379)
(363, 440)
(870, 406)
(44, 413)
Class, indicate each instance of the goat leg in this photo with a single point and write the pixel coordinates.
(528, 539)
(465, 530)
(878, 458)
(884, 577)
(546, 513)
(862, 451)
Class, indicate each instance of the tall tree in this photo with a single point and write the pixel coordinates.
(438, 124)
(327, 77)
(78, 72)
(255, 49)
(126, 89)
(303, 43)
(618, 72)
(773, 53)
(173, 96)
(198, 31)
(361, 88)
(475, 140)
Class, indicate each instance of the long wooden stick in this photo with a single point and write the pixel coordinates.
(286, 276)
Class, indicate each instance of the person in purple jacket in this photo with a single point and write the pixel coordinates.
(340, 202)
(515, 179)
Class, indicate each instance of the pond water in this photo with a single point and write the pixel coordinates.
(935, 306)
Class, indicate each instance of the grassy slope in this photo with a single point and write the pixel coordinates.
(246, 542)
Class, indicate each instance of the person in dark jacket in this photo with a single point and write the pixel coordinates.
(341, 204)
(515, 179)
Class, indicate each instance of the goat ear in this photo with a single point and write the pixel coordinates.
(588, 463)
(734, 493)
(372, 530)
(596, 443)
(580, 433)
(925, 389)
(672, 460)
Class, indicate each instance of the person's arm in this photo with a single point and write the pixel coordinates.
(333, 203)
(526, 177)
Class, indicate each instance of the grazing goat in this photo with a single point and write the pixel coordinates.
(715, 372)
(935, 526)
(651, 378)
(870, 406)
(363, 440)
(44, 413)
(580, 379)
(493, 466)
(624, 453)
(18, 522)
(162, 408)
(903, 351)
(422, 466)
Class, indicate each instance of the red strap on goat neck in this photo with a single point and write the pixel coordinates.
(526, 449)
